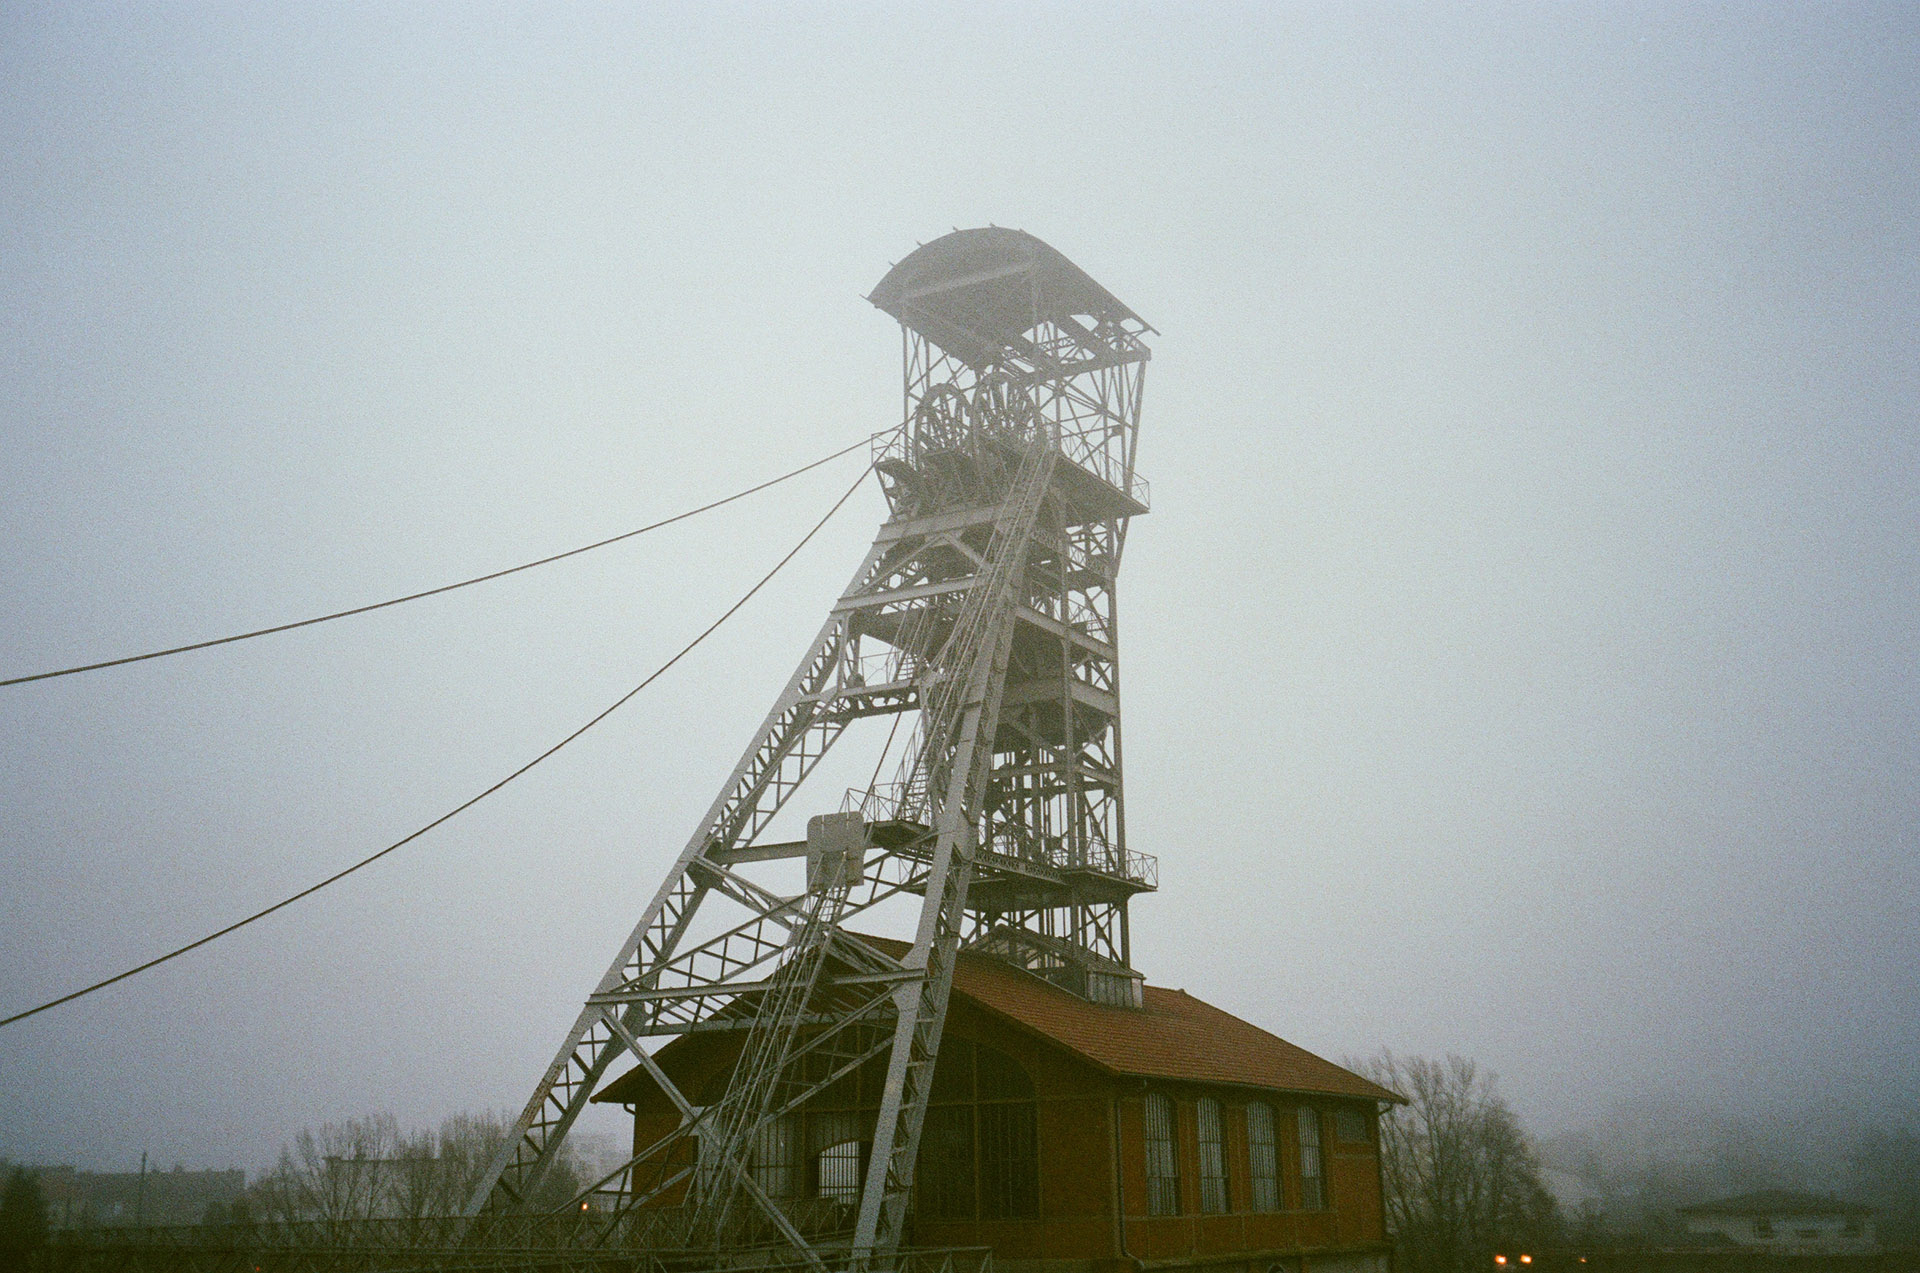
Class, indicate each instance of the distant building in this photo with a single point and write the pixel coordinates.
(1780, 1220)
(113, 1199)
(1083, 1137)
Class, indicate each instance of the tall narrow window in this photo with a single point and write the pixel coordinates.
(838, 1168)
(1313, 1191)
(1263, 1163)
(1009, 1146)
(1163, 1165)
(945, 1175)
(834, 1140)
(776, 1158)
(1009, 1162)
(979, 1147)
(1213, 1159)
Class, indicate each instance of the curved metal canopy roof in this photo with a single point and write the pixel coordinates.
(973, 291)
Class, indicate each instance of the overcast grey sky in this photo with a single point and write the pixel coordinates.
(1520, 657)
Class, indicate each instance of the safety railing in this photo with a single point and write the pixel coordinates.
(896, 801)
(1015, 851)
(1108, 464)
(1083, 450)
(890, 666)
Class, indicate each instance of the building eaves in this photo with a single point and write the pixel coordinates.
(1777, 1202)
(1174, 1037)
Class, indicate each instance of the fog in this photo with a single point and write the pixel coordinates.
(1520, 658)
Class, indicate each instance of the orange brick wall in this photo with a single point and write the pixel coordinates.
(1354, 1215)
(1076, 1153)
(1077, 1105)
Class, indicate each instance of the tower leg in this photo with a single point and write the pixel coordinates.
(789, 743)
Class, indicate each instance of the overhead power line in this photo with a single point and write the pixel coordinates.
(462, 807)
(433, 592)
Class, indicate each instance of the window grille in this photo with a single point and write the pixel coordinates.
(839, 1167)
(776, 1158)
(834, 1143)
(1313, 1193)
(1213, 1158)
(946, 1163)
(1263, 1160)
(1163, 1169)
(1350, 1125)
(979, 1148)
(1009, 1165)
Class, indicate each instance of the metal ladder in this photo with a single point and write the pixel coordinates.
(952, 757)
(961, 713)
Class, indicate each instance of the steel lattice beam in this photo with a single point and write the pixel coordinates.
(985, 613)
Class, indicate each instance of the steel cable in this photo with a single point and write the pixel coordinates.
(433, 592)
(469, 803)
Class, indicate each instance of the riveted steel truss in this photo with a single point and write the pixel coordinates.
(984, 613)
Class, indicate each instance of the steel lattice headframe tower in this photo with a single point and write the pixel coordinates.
(985, 613)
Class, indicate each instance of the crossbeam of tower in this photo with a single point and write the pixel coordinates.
(985, 613)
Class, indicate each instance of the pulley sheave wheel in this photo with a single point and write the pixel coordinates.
(1003, 406)
(940, 421)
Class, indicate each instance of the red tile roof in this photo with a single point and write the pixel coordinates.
(1174, 1036)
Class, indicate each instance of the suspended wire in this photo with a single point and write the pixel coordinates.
(434, 592)
(466, 804)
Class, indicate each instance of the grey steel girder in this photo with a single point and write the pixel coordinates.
(984, 613)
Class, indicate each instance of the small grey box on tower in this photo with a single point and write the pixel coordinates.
(836, 851)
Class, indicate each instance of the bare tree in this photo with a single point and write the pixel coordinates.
(368, 1168)
(1462, 1178)
(338, 1172)
(416, 1188)
(441, 1168)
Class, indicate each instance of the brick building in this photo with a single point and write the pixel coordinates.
(1074, 1136)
